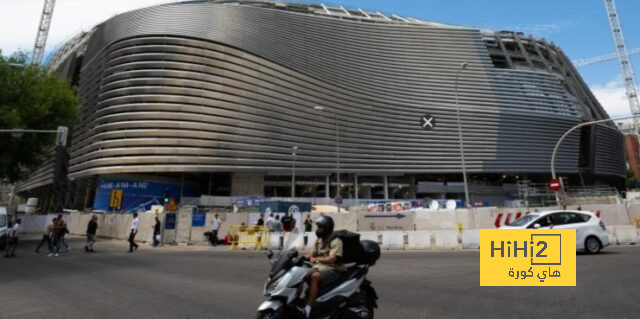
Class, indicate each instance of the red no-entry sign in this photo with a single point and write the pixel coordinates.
(554, 185)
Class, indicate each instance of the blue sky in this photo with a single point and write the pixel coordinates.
(579, 27)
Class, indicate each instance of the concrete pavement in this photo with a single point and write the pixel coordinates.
(204, 282)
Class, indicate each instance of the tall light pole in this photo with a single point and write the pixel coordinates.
(463, 66)
(293, 171)
(335, 117)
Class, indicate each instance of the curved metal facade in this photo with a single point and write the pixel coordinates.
(201, 87)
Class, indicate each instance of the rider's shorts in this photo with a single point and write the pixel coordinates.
(328, 276)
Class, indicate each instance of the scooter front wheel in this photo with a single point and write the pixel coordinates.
(265, 315)
(270, 314)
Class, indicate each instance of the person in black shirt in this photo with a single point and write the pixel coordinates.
(92, 227)
(287, 222)
(308, 224)
(156, 232)
(260, 221)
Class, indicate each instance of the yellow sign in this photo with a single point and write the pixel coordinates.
(527, 257)
(172, 206)
(115, 200)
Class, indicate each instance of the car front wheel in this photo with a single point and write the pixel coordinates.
(592, 245)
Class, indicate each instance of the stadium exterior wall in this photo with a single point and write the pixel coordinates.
(223, 87)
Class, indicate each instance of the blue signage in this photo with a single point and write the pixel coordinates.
(137, 195)
(197, 219)
(284, 207)
(170, 221)
(248, 202)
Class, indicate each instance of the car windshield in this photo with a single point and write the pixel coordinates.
(523, 220)
(3, 220)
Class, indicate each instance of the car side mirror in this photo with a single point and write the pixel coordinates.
(536, 225)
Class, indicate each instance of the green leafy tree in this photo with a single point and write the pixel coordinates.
(631, 180)
(30, 98)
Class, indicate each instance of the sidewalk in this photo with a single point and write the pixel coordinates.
(76, 243)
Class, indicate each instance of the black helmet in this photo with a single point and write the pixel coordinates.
(324, 226)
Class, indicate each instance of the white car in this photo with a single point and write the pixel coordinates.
(591, 234)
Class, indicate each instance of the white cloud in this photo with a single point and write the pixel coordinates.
(539, 28)
(612, 97)
(19, 19)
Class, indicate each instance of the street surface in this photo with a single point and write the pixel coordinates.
(205, 282)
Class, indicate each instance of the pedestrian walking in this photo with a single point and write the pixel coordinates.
(287, 223)
(92, 227)
(260, 221)
(216, 223)
(63, 241)
(46, 237)
(269, 222)
(156, 232)
(58, 230)
(13, 239)
(308, 225)
(277, 226)
(134, 231)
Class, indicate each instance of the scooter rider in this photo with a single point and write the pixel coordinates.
(326, 259)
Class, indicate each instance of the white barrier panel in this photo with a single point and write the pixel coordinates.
(35, 224)
(369, 235)
(436, 220)
(183, 225)
(419, 239)
(297, 241)
(470, 239)
(446, 239)
(311, 240)
(392, 240)
(612, 238)
(626, 234)
(274, 241)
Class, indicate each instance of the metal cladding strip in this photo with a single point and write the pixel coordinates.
(40, 177)
(609, 160)
(128, 113)
(219, 87)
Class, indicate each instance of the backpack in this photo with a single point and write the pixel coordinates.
(351, 247)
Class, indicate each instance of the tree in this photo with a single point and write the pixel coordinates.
(631, 180)
(30, 98)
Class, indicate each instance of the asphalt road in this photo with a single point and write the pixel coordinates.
(202, 282)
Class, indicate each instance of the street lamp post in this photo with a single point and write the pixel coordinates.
(464, 167)
(293, 171)
(335, 117)
(555, 149)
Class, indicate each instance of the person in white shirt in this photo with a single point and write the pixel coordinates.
(13, 239)
(269, 222)
(216, 223)
(134, 231)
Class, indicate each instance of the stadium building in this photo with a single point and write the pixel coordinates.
(229, 98)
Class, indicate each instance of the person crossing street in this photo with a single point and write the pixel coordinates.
(157, 227)
(92, 227)
(216, 223)
(46, 237)
(132, 234)
(13, 239)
